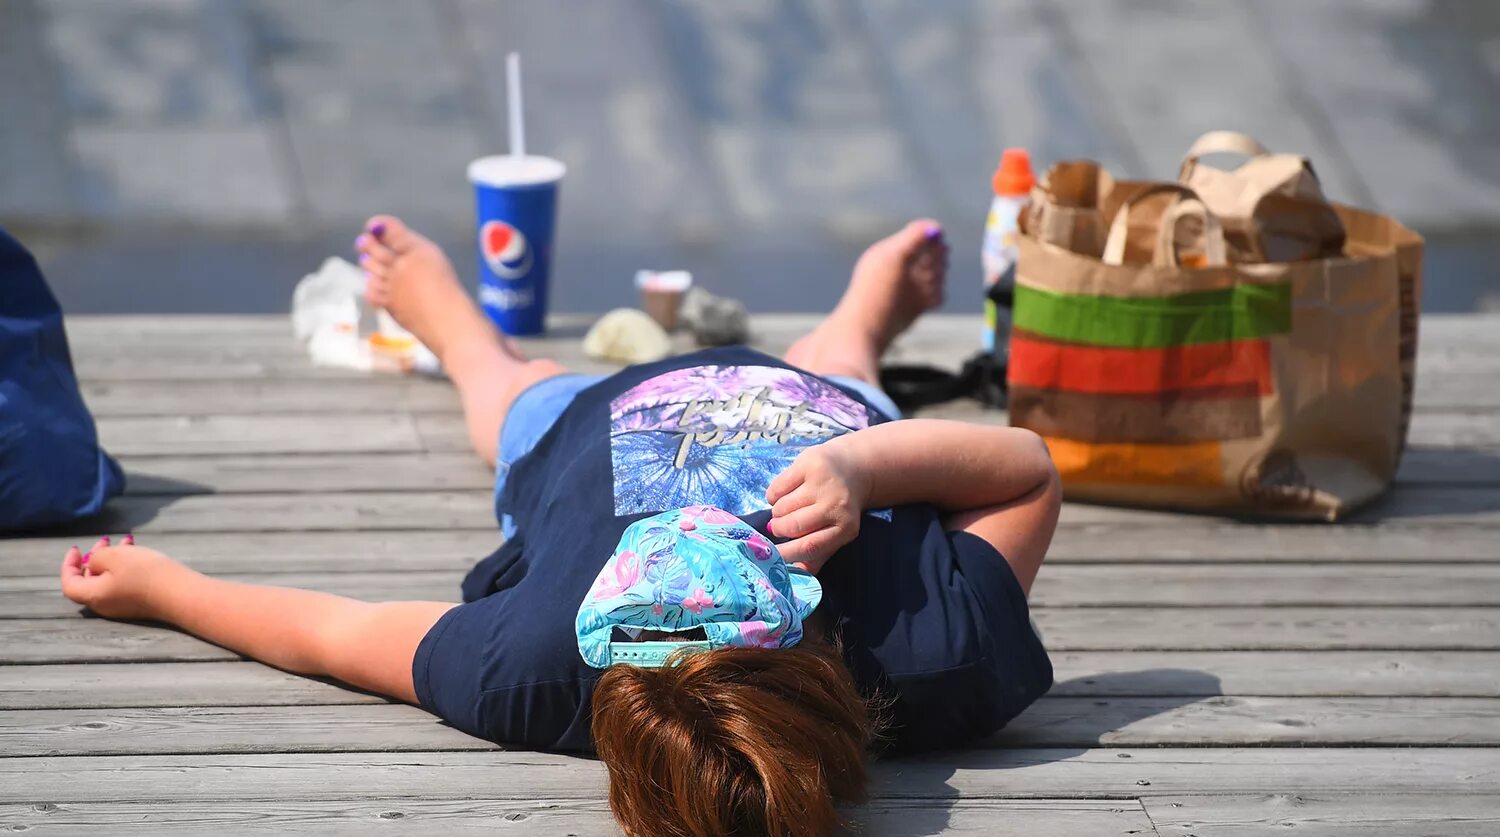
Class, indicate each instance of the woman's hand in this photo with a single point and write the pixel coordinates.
(817, 502)
(117, 582)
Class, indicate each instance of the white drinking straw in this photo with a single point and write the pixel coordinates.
(513, 99)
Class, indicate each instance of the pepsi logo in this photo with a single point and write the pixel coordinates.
(505, 249)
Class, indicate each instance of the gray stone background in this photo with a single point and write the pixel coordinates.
(201, 155)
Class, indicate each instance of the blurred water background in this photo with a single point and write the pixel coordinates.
(201, 155)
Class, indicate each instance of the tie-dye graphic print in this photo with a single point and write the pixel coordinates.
(718, 435)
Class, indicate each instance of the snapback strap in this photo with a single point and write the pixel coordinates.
(651, 654)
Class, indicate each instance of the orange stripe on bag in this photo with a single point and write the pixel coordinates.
(1231, 365)
(1192, 464)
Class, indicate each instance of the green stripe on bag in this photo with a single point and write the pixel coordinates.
(1242, 312)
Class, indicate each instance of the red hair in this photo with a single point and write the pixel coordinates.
(735, 741)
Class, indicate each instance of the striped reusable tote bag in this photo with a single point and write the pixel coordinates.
(1205, 385)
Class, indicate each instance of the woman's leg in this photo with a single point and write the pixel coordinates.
(410, 277)
(895, 281)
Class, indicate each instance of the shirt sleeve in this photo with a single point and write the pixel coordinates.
(448, 669)
(937, 626)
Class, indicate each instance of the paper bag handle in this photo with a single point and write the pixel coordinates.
(1220, 142)
(1215, 250)
(1166, 243)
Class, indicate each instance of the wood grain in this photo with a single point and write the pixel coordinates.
(554, 817)
(1325, 815)
(39, 598)
(1120, 773)
(1078, 673)
(1063, 629)
(1050, 722)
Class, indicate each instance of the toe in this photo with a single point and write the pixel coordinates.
(374, 248)
(391, 231)
(377, 290)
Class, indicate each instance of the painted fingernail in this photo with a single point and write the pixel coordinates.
(377, 229)
(104, 540)
(933, 231)
(85, 557)
(128, 540)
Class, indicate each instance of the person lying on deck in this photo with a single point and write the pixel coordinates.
(729, 575)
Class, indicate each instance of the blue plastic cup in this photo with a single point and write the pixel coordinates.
(516, 212)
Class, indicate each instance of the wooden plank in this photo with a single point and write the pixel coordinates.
(1050, 722)
(1440, 466)
(556, 817)
(352, 550)
(292, 473)
(1403, 506)
(1254, 721)
(1079, 674)
(1424, 509)
(304, 472)
(1324, 815)
(110, 685)
(1119, 773)
(1064, 585)
(108, 399)
(1146, 585)
(99, 640)
(446, 431)
(382, 727)
(1269, 629)
(1439, 333)
(313, 511)
(1062, 629)
(270, 552)
(1276, 673)
(38, 597)
(1262, 544)
(181, 435)
(1436, 392)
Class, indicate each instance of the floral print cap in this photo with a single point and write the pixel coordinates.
(698, 567)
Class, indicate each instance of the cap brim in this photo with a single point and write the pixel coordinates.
(806, 590)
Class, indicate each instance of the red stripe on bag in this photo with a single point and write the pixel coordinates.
(1232, 365)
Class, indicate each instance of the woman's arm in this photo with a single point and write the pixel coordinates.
(995, 482)
(367, 645)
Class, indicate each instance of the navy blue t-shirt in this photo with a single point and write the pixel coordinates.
(932, 621)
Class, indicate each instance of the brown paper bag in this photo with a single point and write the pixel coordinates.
(1272, 206)
(1253, 388)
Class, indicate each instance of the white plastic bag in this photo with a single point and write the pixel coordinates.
(328, 309)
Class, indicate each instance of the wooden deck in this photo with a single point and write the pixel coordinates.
(1213, 677)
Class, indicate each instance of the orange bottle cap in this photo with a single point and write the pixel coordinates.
(1014, 176)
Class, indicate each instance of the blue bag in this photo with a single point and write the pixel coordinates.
(51, 466)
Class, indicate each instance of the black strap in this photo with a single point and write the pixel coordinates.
(982, 378)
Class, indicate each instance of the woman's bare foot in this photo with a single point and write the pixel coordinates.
(896, 280)
(411, 277)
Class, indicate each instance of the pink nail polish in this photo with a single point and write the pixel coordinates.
(85, 557)
(128, 540)
(105, 540)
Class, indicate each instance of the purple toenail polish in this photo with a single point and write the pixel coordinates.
(377, 229)
(933, 231)
(364, 257)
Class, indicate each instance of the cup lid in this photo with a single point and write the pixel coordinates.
(501, 170)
